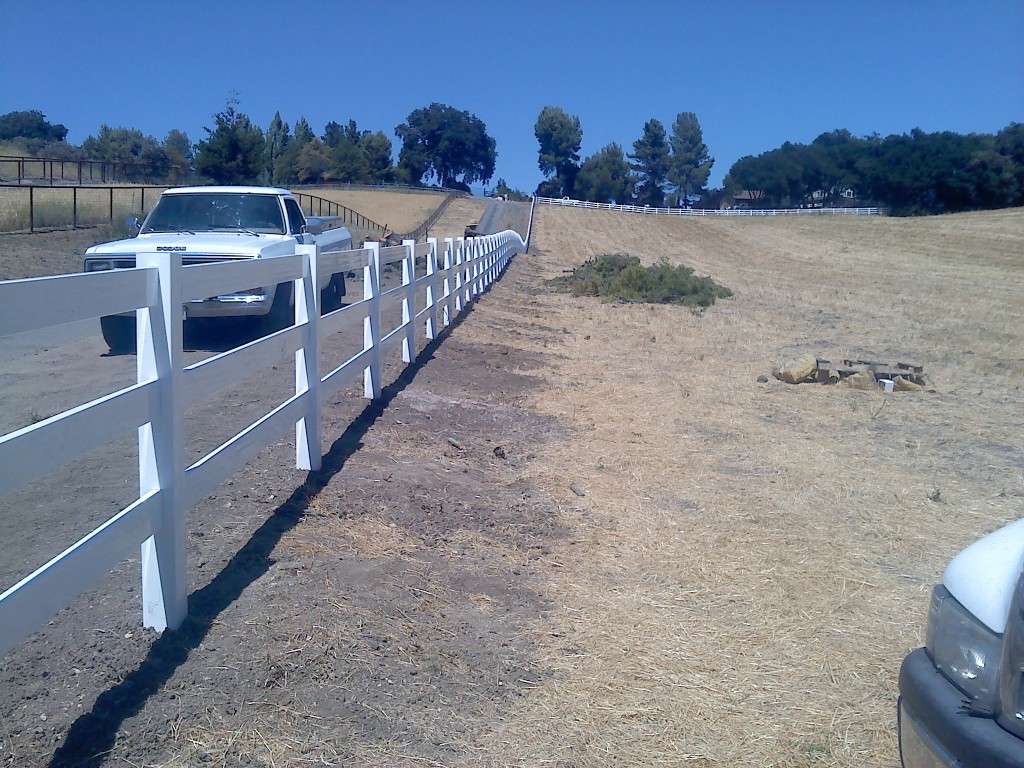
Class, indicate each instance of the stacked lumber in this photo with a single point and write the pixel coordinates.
(860, 374)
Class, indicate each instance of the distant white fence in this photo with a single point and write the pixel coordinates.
(156, 289)
(713, 211)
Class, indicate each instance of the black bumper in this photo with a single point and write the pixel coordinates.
(931, 713)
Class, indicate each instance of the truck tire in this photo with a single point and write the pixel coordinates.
(281, 313)
(331, 295)
(119, 333)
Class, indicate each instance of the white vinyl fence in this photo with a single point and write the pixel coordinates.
(712, 211)
(155, 406)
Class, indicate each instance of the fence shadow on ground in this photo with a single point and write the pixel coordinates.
(93, 735)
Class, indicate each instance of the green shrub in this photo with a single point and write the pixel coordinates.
(620, 277)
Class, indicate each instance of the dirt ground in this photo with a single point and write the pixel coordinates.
(584, 534)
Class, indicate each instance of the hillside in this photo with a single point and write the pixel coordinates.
(398, 210)
(584, 534)
(752, 560)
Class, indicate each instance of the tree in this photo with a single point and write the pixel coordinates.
(651, 162)
(278, 136)
(1009, 143)
(745, 174)
(358, 156)
(348, 162)
(303, 133)
(442, 142)
(605, 177)
(31, 124)
(690, 163)
(313, 162)
(143, 157)
(179, 153)
(335, 133)
(912, 173)
(376, 148)
(560, 137)
(830, 164)
(234, 151)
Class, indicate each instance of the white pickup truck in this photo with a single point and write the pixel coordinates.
(206, 224)
(962, 695)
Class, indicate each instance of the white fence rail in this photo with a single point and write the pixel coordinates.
(712, 211)
(165, 389)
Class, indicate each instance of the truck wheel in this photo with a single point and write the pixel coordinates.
(330, 296)
(119, 333)
(281, 313)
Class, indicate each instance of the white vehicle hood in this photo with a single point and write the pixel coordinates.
(201, 243)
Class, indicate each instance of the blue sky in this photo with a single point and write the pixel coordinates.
(756, 74)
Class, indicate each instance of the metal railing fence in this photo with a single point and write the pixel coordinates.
(423, 229)
(51, 170)
(31, 207)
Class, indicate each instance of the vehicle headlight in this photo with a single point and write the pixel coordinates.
(964, 649)
(103, 263)
(1011, 678)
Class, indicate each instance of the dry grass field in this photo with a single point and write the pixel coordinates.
(401, 211)
(398, 210)
(752, 560)
(737, 585)
(57, 206)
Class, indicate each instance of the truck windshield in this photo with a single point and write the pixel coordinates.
(217, 212)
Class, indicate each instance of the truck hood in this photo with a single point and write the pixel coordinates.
(201, 243)
(982, 577)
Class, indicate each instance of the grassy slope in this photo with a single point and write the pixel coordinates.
(752, 561)
(399, 211)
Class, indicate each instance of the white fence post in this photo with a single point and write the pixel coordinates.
(371, 323)
(460, 254)
(431, 299)
(307, 360)
(466, 275)
(162, 446)
(473, 275)
(492, 259)
(409, 301)
(448, 292)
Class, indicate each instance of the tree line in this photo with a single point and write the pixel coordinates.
(911, 173)
(439, 144)
(662, 168)
(914, 173)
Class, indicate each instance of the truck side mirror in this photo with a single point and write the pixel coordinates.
(133, 225)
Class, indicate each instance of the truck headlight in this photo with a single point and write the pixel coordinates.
(965, 650)
(103, 263)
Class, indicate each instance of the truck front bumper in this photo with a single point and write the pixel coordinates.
(230, 306)
(934, 730)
